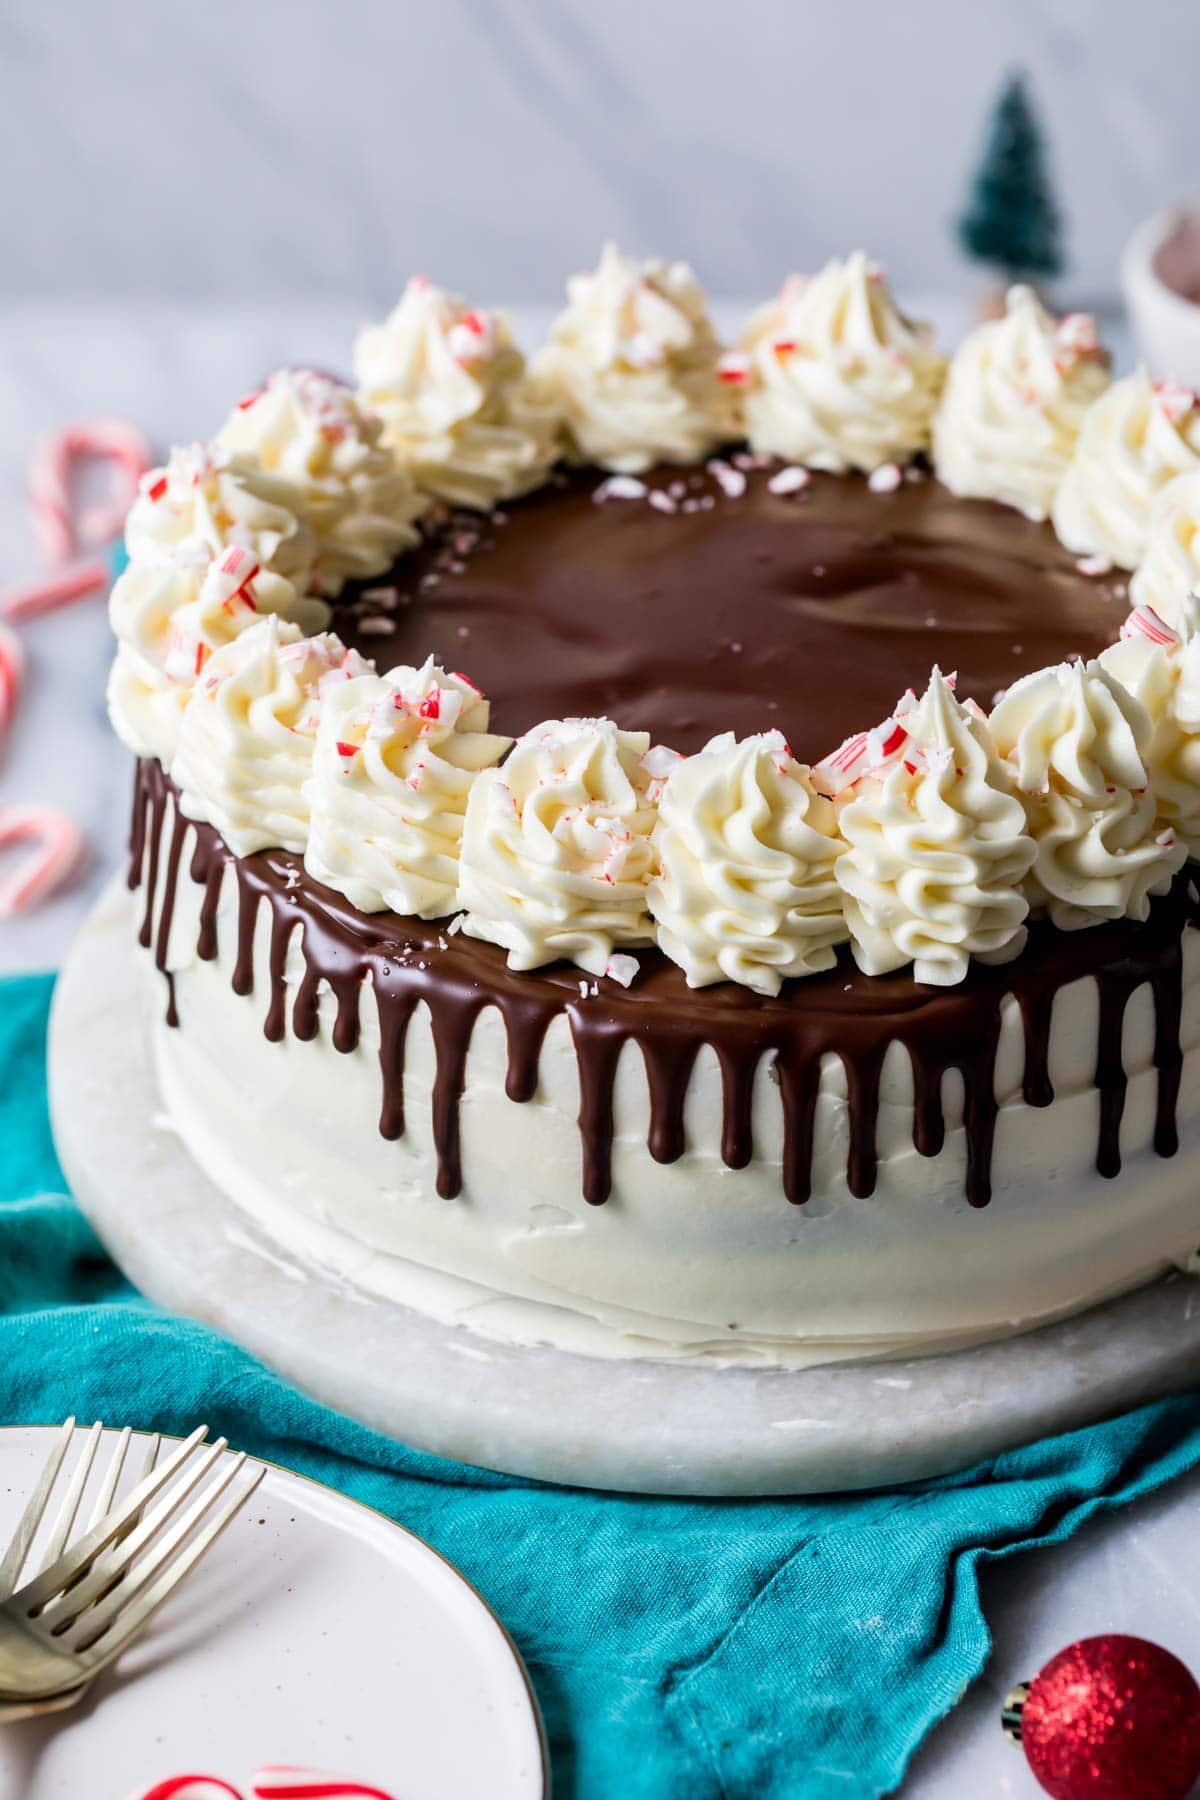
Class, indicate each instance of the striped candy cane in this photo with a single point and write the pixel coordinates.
(276, 1782)
(56, 854)
(61, 530)
(189, 1787)
(12, 671)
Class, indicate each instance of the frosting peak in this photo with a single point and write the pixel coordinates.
(309, 431)
(838, 378)
(207, 498)
(1076, 741)
(556, 849)
(632, 367)
(1133, 440)
(246, 739)
(1014, 403)
(937, 847)
(395, 759)
(450, 386)
(747, 848)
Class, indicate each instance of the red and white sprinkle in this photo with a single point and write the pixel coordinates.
(1144, 622)
(885, 479)
(620, 487)
(731, 481)
(621, 969)
(733, 367)
(789, 480)
(56, 854)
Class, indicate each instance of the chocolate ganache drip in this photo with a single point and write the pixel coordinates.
(844, 1014)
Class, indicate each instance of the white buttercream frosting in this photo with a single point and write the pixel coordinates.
(310, 431)
(838, 378)
(746, 890)
(556, 849)
(1014, 402)
(1168, 576)
(246, 739)
(1133, 440)
(1076, 742)
(632, 367)
(937, 848)
(395, 759)
(1161, 668)
(451, 388)
(205, 499)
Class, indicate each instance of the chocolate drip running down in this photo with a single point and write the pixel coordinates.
(845, 1014)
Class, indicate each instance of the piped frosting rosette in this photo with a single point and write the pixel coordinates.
(394, 763)
(1076, 741)
(207, 498)
(246, 739)
(746, 890)
(458, 411)
(834, 376)
(1134, 439)
(1014, 402)
(937, 845)
(1168, 577)
(632, 367)
(1161, 668)
(557, 849)
(309, 432)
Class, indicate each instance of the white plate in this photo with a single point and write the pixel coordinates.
(315, 1633)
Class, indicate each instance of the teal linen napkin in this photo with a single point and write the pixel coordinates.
(719, 1650)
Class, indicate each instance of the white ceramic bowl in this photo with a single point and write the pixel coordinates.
(1166, 326)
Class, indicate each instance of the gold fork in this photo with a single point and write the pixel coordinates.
(94, 1595)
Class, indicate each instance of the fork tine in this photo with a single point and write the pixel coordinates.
(106, 1571)
(108, 1487)
(31, 1518)
(73, 1496)
(131, 1610)
(83, 1552)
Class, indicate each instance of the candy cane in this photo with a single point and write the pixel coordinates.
(58, 531)
(57, 852)
(12, 669)
(53, 591)
(1143, 621)
(189, 1787)
(278, 1783)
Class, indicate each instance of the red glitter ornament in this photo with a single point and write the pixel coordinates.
(1110, 1718)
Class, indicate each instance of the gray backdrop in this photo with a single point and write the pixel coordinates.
(263, 147)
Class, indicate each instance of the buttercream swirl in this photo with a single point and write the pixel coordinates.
(632, 367)
(746, 890)
(1133, 440)
(205, 499)
(556, 849)
(938, 848)
(246, 739)
(1168, 576)
(309, 431)
(395, 759)
(451, 388)
(1076, 742)
(1014, 402)
(838, 378)
(1161, 668)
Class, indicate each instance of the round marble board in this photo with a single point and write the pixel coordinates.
(530, 1410)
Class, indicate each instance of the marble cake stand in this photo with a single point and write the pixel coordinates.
(651, 1427)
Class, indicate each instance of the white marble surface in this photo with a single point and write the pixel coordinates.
(294, 146)
(174, 367)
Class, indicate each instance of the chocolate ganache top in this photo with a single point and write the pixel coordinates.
(695, 608)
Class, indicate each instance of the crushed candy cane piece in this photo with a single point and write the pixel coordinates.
(1093, 565)
(731, 481)
(621, 968)
(885, 479)
(789, 480)
(620, 487)
(1143, 621)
